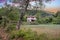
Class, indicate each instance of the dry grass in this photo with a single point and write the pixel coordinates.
(53, 31)
(50, 32)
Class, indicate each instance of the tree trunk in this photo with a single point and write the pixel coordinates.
(22, 14)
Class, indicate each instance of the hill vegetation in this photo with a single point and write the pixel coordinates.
(9, 18)
(43, 17)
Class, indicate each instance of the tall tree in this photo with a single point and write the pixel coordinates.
(25, 4)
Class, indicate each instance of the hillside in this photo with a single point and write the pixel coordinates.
(41, 13)
(54, 10)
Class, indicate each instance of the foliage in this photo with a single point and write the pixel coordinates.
(8, 15)
(10, 28)
(30, 35)
(27, 35)
(42, 16)
(56, 19)
(14, 14)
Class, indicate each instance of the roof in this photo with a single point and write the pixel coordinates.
(31, 17)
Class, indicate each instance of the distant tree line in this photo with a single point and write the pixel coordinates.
(11, 15)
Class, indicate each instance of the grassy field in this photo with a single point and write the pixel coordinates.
(46, 32)
(50, 30)
(42, 25)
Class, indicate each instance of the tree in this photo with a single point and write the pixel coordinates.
(4, 12)
(25, 4)
(57, 18)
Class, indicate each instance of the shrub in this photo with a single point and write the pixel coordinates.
(27, 35)
(43, 37)
(30, 35)
(10, 28)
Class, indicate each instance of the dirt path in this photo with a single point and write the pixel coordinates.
(3, 34)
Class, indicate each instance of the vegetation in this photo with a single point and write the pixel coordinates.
(8, 16)
(30, 35)
(12, 16)
(26, 33)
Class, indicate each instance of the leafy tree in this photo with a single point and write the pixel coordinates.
(58, 14)
(25, 4)
(8, 15)
(56, 20)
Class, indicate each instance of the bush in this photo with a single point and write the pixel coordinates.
(10, 28)
(31, 35)
(27, 35)
(43, 37)
(44, 20)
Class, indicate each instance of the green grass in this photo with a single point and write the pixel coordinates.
(41, 26)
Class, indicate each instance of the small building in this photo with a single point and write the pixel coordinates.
(31, 19)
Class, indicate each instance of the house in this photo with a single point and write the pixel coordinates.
(31, 18)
